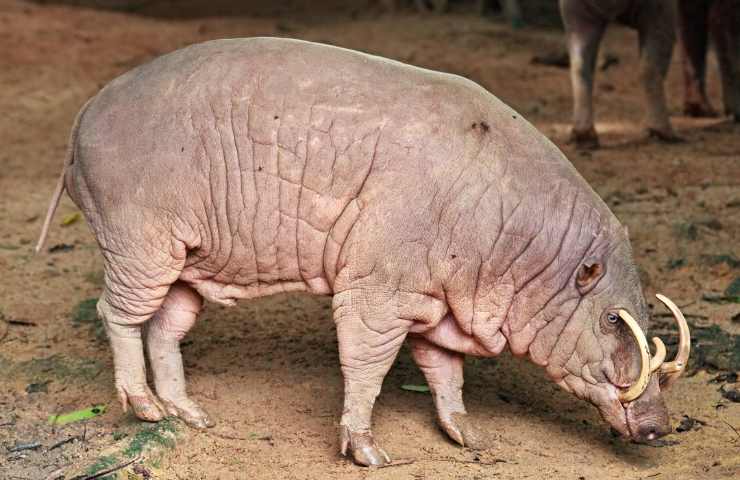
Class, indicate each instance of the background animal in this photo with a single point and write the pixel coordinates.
(585, 22)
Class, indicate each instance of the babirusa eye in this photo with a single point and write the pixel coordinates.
(612, 317)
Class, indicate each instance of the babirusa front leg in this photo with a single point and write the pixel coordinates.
(370, 336)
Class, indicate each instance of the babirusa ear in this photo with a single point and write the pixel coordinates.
(589, 274)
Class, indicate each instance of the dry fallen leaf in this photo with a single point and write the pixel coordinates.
(69, 219)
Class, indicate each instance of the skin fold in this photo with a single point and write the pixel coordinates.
(240, 168)
(585, 22)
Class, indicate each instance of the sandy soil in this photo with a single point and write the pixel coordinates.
(268, 370)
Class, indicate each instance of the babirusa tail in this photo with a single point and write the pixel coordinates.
(52, 207)
(60, 184)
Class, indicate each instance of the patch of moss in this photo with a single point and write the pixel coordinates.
(102, 463)
(161, 434)
(729, 259)
(143, 441)
(59, 367)
(96, 278)
(715, 348)
(733, 290)
(86, 313)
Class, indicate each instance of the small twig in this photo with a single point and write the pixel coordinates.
(26, 323)
(63, 442)
(660, 443)
(225, 436)
(54, 474)
(108, 471)
(733, 428)
(397, 463)
(471, 462)
(402, 462)
(25, 446)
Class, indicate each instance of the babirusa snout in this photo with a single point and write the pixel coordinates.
(668, 371)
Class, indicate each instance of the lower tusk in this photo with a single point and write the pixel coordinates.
(657, 361)
(671, 367)
(645, 365)
(670, 371)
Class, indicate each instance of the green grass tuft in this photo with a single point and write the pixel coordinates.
(160, 434)
(86, 313)
(106, 461)
(58, 367)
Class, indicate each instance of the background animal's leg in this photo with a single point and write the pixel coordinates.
(436, 6)
(656, 29)
(443, 370)
(584, 35)
(725, 28)
(163, 335)
(513, 13)
(692, 27)
(124, 334)
(370, 335)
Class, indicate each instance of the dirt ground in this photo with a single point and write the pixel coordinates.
(268, 369)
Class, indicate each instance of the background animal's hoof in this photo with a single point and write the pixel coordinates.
(189, 412)
(699, 110)
(363, 449)
(584, 139)
(462, 430)
(665, 136)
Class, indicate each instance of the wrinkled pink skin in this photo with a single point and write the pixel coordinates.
(429, 209)
(698, 19)
(585, 22)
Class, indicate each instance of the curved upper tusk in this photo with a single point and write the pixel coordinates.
(670, 371)
(642, 381)
(657, 361)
